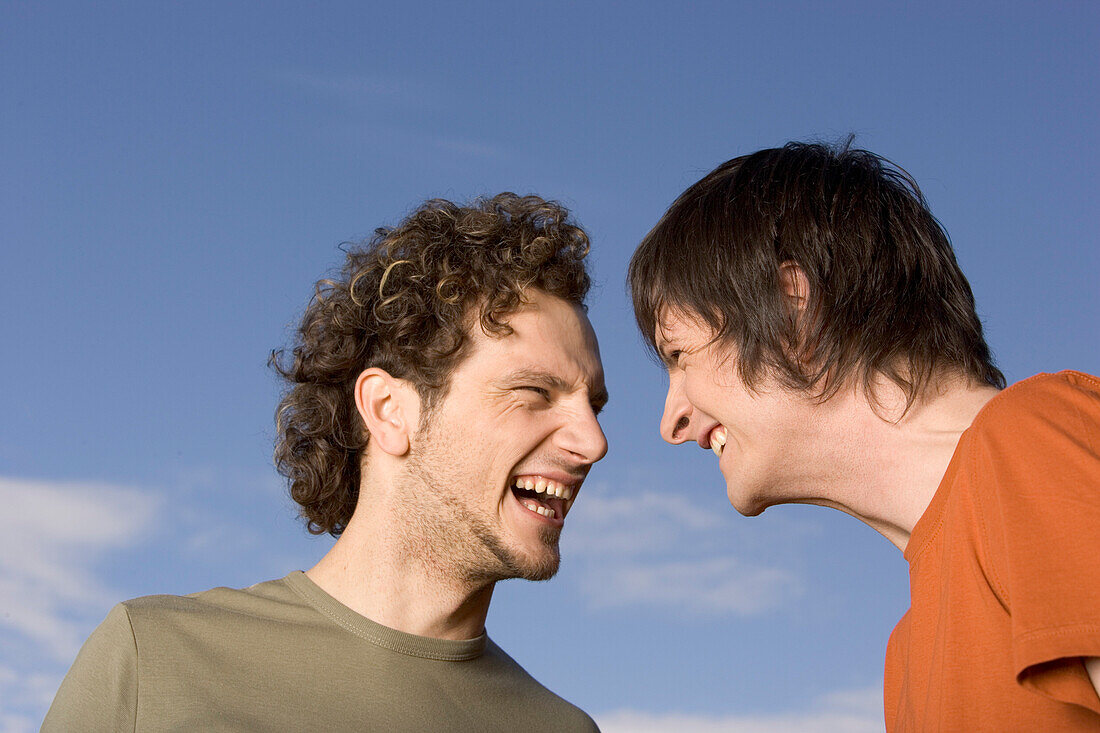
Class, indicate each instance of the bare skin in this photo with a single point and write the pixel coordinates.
(1092, 664)
(437, 522)
(870, 459)
(861, 454)
(920, 446)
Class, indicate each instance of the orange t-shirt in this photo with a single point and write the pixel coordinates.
(1004, 572)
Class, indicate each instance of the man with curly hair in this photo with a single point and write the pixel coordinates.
(822, 341)
(439, 420)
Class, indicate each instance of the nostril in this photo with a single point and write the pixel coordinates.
(681, 425)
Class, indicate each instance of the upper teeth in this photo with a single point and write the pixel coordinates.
(718, 440)
(544, 485)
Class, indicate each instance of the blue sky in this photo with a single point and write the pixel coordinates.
(175, 177)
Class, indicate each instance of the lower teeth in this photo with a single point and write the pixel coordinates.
(544, 511)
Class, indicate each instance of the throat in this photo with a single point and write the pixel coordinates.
(412, 602)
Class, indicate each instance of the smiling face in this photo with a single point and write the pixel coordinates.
(498, 466)
(763, 438)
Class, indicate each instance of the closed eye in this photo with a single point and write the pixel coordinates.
(541, 391)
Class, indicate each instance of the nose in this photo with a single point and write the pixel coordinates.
(678, 411)
(583, 437)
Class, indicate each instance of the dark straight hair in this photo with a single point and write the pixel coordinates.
(886, 295)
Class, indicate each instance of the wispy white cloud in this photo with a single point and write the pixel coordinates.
(359, 90)
(210, 522)
(48, 550)
(705, 585)
(23, 697)
(635, 522)
(58, 553)
(398, 112)
(850, 711)
(647, 548)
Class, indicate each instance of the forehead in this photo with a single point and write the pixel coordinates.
(674, 325)
(547, 332)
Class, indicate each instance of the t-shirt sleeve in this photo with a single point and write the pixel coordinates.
(100, 691)
(1043, 450)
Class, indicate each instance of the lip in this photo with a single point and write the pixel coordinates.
(568, 479)
(572, 480)
(704, 436)
(523, 511)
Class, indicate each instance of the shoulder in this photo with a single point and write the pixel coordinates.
(1048, 413)
(1063, 395)
(538, 699)
(1032, 463)
(113, 639)
(267, 600)
(100, 690)
(270, 591)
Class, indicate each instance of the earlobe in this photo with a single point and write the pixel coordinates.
(384, 406)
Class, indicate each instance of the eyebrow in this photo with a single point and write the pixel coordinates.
(663, 354)
(553, 381)
(661, 344)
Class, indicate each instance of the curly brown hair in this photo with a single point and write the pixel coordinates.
(405, 302)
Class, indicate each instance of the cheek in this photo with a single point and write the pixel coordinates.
(504, 406)
(703, 394)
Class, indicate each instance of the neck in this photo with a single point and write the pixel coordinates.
(379, 571)
(885, 472)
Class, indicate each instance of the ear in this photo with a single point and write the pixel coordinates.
(795, 287)
(390, 409)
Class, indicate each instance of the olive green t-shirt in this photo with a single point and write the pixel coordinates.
(284, 655)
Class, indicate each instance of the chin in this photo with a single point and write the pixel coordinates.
(544, 571)
(540, 565)
(746, 504)
(539, 562)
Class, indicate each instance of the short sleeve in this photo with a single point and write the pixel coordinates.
(100, 691)
(1042, 448)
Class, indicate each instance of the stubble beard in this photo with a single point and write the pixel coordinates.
(445, 533)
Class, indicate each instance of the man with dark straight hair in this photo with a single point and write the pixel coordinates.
(821, 339)
(439, 419)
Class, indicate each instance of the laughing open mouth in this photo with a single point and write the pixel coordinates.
(544, 496)
(718, 440)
